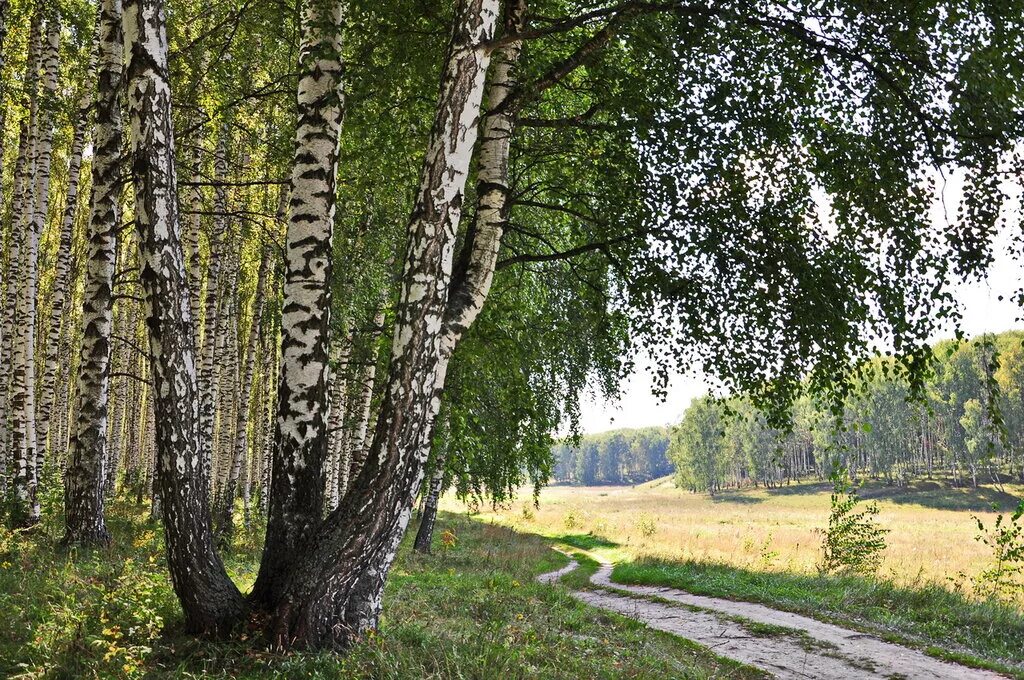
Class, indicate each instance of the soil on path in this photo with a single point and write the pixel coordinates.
(739, 630)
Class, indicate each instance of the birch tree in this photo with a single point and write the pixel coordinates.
(210, 600)
(84, 497)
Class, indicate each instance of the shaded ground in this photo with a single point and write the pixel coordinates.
(471, 610)
(784, 644)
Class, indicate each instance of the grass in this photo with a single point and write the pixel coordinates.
(944, 623)
(931, 537)
(763, 546)
(473, 611)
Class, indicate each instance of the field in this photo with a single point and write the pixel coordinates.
(931, 540)
(764, 545)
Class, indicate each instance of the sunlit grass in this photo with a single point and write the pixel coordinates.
(764, 546)
(931, 539)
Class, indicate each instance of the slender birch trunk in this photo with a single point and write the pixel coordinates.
(51, 348)
(124, 329)
(297, 484)
(333, 593)
(338, 466)
(210, 601)
(241, 425)
(83, 491)
(208, 355)
(358, 446)
(226, 354)
(5, 10)
(28, 463)
(14, 267)
(425, 533)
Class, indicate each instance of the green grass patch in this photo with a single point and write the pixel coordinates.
(471, 611)
(944, 623)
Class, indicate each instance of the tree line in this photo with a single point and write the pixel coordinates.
(299, 267)
(628, 456)
(966, 425)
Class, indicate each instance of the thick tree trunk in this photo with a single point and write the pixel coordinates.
(210, 600)
(333, 593)
(297, 484)
(83, 489)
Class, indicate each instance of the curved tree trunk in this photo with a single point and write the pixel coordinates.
(83, 489)
(332, 594)
(210, 600)
(300, 448)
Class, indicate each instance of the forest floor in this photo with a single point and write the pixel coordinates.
(474, 609)
(762, 546)
(786, 645)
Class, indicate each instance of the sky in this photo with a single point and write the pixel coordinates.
(982, 310)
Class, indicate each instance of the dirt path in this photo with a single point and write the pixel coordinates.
(812, 650)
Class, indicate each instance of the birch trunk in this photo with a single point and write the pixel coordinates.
(332, 596)
(83, 490)
(11, 306)
(297, 484)
(207, 356)
(5, 10)
(338, 465)
(425, 533)
(28, 463)
(210, 601)
(241, 425)
(358, 446)
(51, 348)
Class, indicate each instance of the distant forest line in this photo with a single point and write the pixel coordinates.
(968, 428)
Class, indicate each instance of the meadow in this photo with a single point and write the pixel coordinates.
(764, 545)
(931, 535)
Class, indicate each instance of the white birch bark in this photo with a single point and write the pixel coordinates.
(333, 595)
(51, 347)
(28, 463)
(210, 601)
(337, 466)
(83, 493)
(297, 485)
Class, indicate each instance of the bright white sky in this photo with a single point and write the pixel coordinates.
(982, 313)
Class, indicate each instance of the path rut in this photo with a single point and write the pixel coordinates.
(822, 651)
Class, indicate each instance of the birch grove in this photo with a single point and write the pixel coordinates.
(241, 304)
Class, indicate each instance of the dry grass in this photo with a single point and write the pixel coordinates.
(931, 539)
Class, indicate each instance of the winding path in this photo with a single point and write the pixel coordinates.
(814, 649)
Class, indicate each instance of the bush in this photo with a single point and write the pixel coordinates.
(1005, 578)
(853, 542)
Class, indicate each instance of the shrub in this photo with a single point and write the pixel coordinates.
(1005, 578)
(646, 526)
(853, 542)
